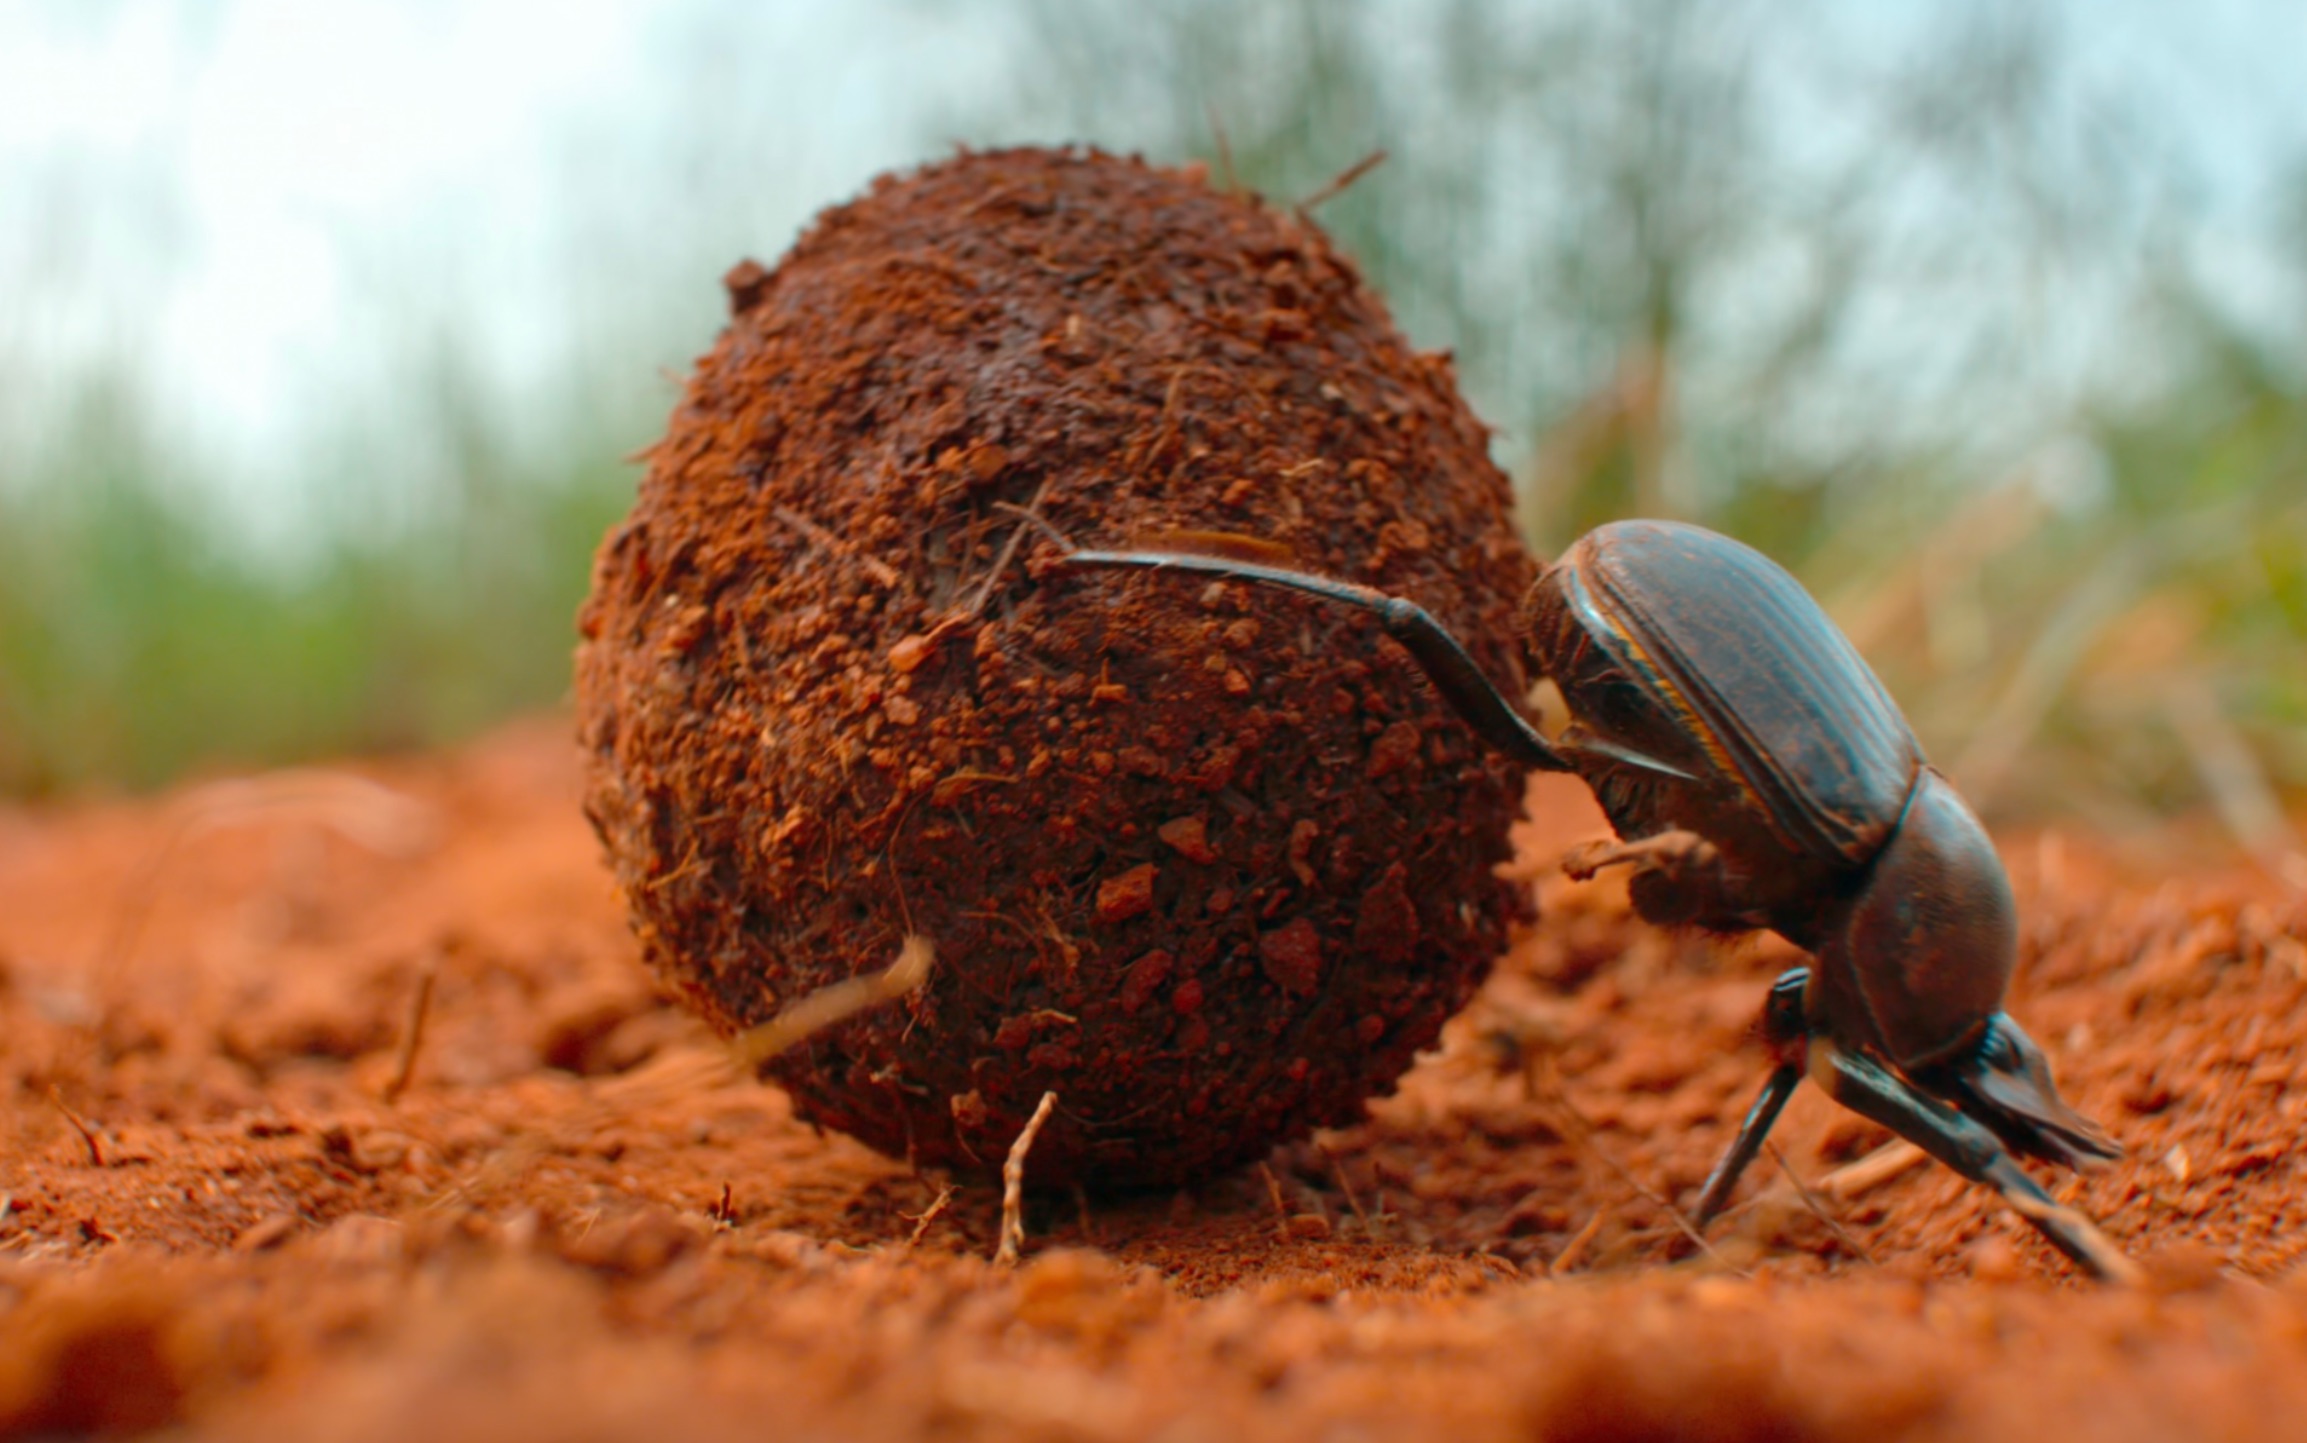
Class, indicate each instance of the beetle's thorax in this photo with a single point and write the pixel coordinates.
(1690, 649)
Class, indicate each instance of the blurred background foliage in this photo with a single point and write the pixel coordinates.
(1934, 305)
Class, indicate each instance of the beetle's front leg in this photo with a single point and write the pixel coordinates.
(1679, 879)
(1873, 1091)
(1674, 853)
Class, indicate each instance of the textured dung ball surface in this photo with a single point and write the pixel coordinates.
(1208, 861)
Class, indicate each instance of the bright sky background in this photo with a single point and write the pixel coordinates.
(234, 191)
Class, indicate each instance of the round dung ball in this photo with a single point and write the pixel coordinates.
(1209, 861)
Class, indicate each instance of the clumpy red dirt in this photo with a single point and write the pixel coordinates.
(573, 1222)
(1207, 863)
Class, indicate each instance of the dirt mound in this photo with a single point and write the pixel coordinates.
(1212, 865)
(571, 1221)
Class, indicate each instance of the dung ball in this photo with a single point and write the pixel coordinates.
(1208, 861)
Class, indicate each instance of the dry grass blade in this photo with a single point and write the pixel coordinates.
(1580, 1131)
(1892, 1159)
(1343, 181)
(1032, 516)
(835, 1002)
(2240, 792)
(1574, 1251)
(874, 566)
(1274, 1192)
(79, 1125)
(412, 1034)
(1338, 1171)
(1818, 1209)
(1013, 1185)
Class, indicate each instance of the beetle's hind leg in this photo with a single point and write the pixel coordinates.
(1873, 1091)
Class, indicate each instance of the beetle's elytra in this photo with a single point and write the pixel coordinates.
(1759, 776)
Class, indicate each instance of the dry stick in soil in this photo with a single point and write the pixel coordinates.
(1274, 1191)
(1574, 1251)
(1013, 1185)
(835, 1002)
(1817, 1210)
(79, 1125)
(412, 1034)
(929, 1215)
(1892, 1159)
(1338, 1171)
(1581, 1132)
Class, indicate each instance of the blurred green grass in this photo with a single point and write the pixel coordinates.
(142, 639)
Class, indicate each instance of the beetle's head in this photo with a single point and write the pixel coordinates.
(1915, 961)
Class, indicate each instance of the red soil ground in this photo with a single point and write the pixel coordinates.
(573, 1222)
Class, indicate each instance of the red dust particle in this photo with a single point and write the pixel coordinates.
(1129, 895)
(1292, 954)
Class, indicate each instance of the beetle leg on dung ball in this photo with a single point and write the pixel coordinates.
(1438, 654)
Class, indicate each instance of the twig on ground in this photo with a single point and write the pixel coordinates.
(1013, 1185)
(835, 1002)
(1338, 1171)
(930, 1214)
(1818, 1210)
(1574, 1251)
(1582, 1133)
(1274, 1191)
(1890, 1160)
(412, 1033)
(79, 1125)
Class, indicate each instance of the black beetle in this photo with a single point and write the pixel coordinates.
(1759, 776)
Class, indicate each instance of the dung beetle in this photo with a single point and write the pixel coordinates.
(1758, 775)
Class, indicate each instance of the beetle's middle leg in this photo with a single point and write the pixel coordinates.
(1873, 1091)
(1784, 1032)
